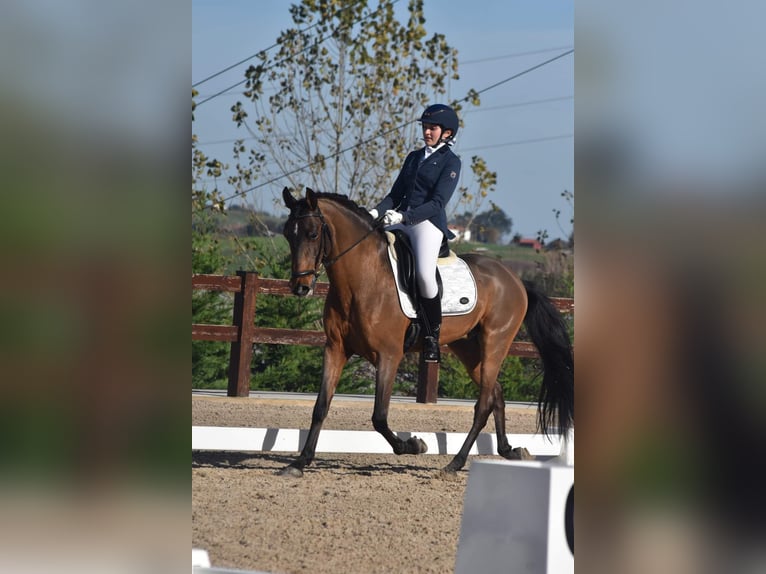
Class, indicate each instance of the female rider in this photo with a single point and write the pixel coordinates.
(416, 204)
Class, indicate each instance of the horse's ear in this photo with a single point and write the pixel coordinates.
(311, 198)
(290, 201)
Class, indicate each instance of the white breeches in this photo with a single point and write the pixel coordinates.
(426, 240)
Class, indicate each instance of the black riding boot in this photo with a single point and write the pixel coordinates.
(432, 320)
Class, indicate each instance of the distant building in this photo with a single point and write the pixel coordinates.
(531, 243)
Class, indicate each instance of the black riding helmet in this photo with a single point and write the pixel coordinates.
(443, 116)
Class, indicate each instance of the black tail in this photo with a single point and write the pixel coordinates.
(549, 333)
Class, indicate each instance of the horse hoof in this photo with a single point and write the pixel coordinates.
(520, 453)
(290, 471)
(417, 445)
(447, 473)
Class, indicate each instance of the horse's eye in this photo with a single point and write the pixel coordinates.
(312, 235)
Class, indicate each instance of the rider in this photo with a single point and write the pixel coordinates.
(416, 204)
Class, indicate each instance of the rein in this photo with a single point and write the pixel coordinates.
(321, 259)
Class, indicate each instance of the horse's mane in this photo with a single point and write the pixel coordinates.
(349, 204)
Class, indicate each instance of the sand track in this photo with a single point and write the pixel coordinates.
(349, 513)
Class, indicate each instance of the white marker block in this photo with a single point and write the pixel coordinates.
(292, 440)
(517, 518)
(566, 456)
(200, 558)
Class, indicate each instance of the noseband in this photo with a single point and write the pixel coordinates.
(321, 258)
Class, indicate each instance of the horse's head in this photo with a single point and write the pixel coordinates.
(309, 237)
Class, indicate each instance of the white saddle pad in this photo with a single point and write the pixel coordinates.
(459, 295)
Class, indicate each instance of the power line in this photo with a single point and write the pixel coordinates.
(490, 146)
(210, 77)
(516, 55)
(365, 142)
(274, 45)
(242, 92)
(519, 142)
(501, 82)
(474, 111)
(321, 39)
(518, 104)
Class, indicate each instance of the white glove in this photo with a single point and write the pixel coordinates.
(373, 212)
(392, 217)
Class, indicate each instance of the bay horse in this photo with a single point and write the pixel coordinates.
(362, 316)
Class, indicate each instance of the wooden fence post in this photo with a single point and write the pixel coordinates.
(243, 332)
(242, 349)
(428, 381)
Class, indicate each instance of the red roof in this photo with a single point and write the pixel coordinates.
(534, 243)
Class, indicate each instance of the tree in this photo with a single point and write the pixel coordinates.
(489, 226)
(472, 200)
(569, 199)
(210, 359)
(556, 273)
(203, 165)
(333, 108)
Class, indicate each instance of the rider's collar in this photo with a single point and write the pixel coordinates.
(430, 150)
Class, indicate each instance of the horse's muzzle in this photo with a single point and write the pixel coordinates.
(302, 290)
(299, 287)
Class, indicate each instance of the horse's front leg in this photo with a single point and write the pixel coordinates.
(384, 384)
(334, 360)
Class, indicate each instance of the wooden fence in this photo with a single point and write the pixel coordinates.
(243, 333)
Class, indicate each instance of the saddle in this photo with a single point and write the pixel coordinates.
(457, 287)
(405, 264)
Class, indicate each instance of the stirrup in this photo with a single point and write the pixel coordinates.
(431, 352)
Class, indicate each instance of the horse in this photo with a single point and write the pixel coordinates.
(362, 316)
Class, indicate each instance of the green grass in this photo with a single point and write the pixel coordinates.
(242, 250)
(503, 252)
(254, 254)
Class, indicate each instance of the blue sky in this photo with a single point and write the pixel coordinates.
(531, 174)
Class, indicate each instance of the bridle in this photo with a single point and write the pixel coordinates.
(324, 244)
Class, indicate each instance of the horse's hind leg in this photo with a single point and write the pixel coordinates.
(384, 383)
(334, 360)
(483, 373)
(481, 411)
(469, 352)
(504, 448)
